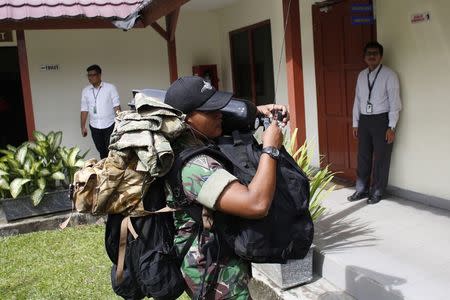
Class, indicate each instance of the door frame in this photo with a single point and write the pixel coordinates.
(25, 81)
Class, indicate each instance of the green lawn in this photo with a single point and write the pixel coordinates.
(68, 264)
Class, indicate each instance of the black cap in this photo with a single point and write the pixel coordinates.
(190, 93)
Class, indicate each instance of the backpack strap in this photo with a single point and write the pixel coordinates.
(238, 149)
(174, 176)
(126, 226)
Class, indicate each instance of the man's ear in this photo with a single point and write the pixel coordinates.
(187, 119)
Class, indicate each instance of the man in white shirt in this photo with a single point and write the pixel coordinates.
(375, 115)
(100, 101)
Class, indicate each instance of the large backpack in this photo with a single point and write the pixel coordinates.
(151, 266)
(286, 232)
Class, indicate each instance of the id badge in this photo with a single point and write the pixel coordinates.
(95, 109)
(369, 108)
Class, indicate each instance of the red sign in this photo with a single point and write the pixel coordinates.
(422, 17)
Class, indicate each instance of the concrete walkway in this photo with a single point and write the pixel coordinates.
(396, 249)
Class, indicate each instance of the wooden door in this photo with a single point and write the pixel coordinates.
(338, 47)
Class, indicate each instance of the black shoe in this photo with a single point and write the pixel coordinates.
(374, 199)
(357, 196)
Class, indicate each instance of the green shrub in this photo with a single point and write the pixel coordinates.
(37, 166)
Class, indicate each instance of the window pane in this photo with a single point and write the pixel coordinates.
(241, 65)
(262, 57)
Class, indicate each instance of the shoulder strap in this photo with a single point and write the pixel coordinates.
(174, 176)
(126, 226)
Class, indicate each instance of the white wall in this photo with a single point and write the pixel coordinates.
(197, 39)
(420, 53)
(309, 80)
(130, 60)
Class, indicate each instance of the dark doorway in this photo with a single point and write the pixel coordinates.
(338, 48)
(13, 128)
(252, 65)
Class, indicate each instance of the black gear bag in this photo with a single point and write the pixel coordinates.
(151, 266)
(286, 232)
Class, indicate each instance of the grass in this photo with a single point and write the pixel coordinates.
(68, 264)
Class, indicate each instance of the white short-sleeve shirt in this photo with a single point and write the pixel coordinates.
(100, 103)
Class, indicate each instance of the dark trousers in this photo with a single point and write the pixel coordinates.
(374, 154)
(101, 139)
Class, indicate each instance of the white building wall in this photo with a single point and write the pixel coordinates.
(420, 53)
(130, 60)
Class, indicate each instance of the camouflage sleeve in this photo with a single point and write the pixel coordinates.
(204, 179)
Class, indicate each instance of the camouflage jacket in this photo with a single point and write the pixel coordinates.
(148, 133)
(204, 179)
(139, 152)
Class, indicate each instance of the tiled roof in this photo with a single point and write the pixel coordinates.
(35, 9)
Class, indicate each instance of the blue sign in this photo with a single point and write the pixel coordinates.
(362, 20)
(361, 7)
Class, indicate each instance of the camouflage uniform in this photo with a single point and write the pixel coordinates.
(233, 272)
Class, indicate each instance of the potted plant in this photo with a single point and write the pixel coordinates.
(40, 171)
(297, 272)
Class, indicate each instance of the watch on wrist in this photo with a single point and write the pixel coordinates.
(272, 151)
(392, 128)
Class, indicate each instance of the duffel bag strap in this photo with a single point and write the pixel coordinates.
(126, 226)
(126, 223)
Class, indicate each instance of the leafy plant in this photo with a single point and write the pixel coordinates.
(37, 166)
(319, 178)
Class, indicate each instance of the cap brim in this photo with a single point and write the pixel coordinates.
(216, 101)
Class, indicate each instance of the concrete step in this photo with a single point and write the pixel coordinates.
(262, 288)
(46, 222)
(396, 249)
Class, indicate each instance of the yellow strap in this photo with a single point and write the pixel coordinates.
(131, 229)
(122, 248)
(126, 226)
(66, 222)
(148, 213)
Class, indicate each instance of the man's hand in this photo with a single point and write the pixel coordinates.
(355, 132)
(83, 131)
(273, 136)
(390, 136)
(269, 108)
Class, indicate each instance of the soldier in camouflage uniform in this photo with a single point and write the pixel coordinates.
(205, 181)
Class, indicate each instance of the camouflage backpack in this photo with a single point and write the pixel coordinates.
(127, 187)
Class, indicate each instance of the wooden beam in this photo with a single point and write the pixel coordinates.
(25, 80)
(160, 30)
(160, 8)
(173, 23)
(293, 49)
(70, 23)
(171, 52)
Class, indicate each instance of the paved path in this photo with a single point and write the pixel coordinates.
(396, 249)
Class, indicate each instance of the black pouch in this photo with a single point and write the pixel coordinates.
(127, 288)
(160, 275)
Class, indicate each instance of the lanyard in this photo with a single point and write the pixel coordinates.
(95, 98)
(373, 83)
